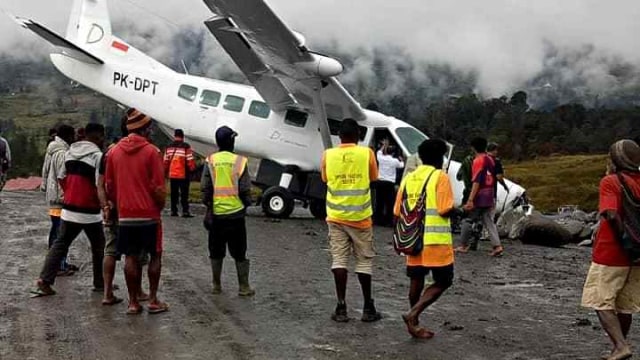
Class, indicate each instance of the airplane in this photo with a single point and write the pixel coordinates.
(288, 117)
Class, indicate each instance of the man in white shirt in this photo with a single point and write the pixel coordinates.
(385, 187)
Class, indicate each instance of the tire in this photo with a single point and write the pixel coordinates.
(539, 230)
(318, 208)
(277, 202)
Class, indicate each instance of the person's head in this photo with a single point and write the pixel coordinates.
(138, 123)
(53, 132)
(625, 156)
(432, 152)
(178, 135)
(226, 138)
(479, 145)
(349, 131)
(66, 133)
(80, 134)
(492, 149)
(95, 133)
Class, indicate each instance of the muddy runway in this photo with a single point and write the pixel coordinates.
(521, 306)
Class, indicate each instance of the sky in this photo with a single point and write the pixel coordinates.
(506, 42)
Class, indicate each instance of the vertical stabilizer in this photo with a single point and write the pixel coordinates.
(90, 25)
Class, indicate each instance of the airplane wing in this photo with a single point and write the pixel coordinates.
(276, 60)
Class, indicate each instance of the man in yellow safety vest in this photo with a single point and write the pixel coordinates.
(226, 191)
(437, 254)
(348, 171)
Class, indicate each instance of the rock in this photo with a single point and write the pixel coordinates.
(538, 230)
(580, 215)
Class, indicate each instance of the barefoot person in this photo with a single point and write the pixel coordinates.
(612, 287)
(135, 184)
(80, 209)
(437, 255)
(348, 171)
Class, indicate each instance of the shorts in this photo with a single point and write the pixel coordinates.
(111, 238)
(346, 240)
(442, 275)
(614, 288)
(140, 239)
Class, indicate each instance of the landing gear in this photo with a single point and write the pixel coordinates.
(318, 208)
(277, 202)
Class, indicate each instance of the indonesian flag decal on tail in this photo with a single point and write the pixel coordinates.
(120, 46)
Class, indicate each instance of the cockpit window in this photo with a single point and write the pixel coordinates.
(410, 138)
(188, 92)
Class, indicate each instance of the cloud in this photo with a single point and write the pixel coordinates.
(504, 42)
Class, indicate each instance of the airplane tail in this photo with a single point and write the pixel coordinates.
(90, 25)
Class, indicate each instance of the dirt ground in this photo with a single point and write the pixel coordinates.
(521, 306)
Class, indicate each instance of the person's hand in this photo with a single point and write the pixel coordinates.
(468, 206)
(106, 214)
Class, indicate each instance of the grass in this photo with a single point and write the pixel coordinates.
(561, 180)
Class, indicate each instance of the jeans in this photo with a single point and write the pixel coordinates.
(68, 232)
(180, 190)
(53, 235)
(385, 199)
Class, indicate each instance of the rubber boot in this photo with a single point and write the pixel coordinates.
(216, 270)
(244, 289)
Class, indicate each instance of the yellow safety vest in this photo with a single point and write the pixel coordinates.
(348, 194)
(225, 169)
(437, 229)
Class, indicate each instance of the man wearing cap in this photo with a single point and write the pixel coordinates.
(612, 287)
(134, 182)
(226, 192)
(348, 171)
(178, 163)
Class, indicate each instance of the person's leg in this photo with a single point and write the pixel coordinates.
(95, 233)
(68, 232)
(611, 325)
(389, 201)
(417, 284)
(175, 192)
(236, 232)
(340, 248)
(443, 279)
(492, 230)
(109, 263)
(217, 252)
(378, 209)
(154, 270)
(53, 235)
(625, 323)
(184, 196)
(364, 251)
(131, 275)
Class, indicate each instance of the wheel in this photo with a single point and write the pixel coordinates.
(318, 208)
(539, 230)
(277, 202)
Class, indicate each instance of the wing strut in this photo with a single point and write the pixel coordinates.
(320, 115)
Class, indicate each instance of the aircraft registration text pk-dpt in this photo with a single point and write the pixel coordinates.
(135, 83)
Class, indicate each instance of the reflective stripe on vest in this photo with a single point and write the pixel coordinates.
(348, 182)
(225, 169)
(437, 229)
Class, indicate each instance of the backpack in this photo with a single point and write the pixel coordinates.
(630, 240)
(408, 229)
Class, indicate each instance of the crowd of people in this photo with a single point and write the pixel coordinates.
(116, 199)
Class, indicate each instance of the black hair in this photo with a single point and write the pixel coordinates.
(178, 133)
(479, 144)
(53, 131)
(492, 147)
(123, 126)
(349, 131)
(432, 152)
(93, 129)
(66, 133)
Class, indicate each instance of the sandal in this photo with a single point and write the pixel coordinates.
(462, 249)
(497, 251)
(41, 290)
(113, 301)
(158, 308)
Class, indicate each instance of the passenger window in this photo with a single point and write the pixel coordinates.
(210, 98)
(296, 118)
(188, 92)
(233, 103)
(259, 109)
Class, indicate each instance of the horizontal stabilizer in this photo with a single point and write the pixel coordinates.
(66, 47)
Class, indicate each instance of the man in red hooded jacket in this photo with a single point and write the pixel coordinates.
(135, 184)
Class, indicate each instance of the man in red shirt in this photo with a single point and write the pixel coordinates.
(612, 287)
(482, 200)
(135, 184)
